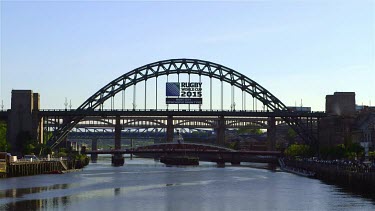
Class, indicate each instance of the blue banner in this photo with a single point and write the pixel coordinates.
(173, 89)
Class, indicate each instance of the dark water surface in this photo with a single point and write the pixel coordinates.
(143, 184)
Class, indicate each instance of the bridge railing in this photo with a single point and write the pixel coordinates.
(182, 110)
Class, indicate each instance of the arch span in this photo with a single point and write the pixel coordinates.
(181, 66)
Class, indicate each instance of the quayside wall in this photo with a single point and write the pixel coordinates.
(17, 169)
(358, 178)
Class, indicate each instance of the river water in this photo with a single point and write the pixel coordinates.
(145, 184)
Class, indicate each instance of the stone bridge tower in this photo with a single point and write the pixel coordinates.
(23, 119)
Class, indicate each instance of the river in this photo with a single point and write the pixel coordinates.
(144, 184)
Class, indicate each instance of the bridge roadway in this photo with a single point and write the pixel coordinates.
(175, 112)
(64, 115)
(205, 152)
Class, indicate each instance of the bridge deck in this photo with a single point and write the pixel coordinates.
(163, 112)
(149, 151)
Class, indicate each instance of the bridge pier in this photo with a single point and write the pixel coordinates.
(131, 146)
(271, 133)
(118, 159)
(236, 160)
(170, 129)
(94, 147)
(220, 131)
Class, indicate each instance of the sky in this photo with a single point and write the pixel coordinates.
(299, 50)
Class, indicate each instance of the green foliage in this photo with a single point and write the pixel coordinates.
(62, 154)
(4, 146)
(28, 149)
(355, 147)
(80, 157)
(336, 152)
(280, 147)
(298, 150)
(28, 144)
(42, 150)
(46, 150)
(47, 136)
(232, 145)
(291, 135)
(341, 151)
(371, 155)
(249, 130)
(198, 133)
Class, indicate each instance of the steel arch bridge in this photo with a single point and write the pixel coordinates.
(182, 66)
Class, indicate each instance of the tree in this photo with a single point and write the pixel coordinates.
(291, 135)
(354, 150)
(28, 144)
(295, 150)
(4, 146)
(250, 130)
(371, 155)
(340, 151)
(47, 136)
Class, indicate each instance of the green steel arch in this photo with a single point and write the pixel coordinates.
(181, 66)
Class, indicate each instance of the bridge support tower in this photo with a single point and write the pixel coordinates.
(170, 129)
(118, 159)
(271, 133)
(220, 131)
(94, 147)
(23, 121)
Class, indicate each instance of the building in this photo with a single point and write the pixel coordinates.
(341, 103)
(346, 121)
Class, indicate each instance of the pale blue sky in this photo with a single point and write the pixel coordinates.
(295, 49)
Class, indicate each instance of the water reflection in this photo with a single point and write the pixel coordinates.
(36, 204)
(117, 191)
(16, 198)
(206, 187)
(20, 192)
(344, 191)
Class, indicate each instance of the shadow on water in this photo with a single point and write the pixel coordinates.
(117, 191)
(357, 191)
(18, 203)
(38, 204)
(20, 192)
(267, 166)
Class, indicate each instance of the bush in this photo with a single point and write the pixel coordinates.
(62, 154)
(295, 150)
(351, 151)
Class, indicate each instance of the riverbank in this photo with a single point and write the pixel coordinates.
(359, 179)
(27, 168)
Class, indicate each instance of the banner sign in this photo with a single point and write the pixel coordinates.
(184, 100)
(183, 92)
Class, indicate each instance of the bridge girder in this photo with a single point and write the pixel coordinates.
(178, 122)
(181, 66)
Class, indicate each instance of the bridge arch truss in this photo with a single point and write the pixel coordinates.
(182, 66)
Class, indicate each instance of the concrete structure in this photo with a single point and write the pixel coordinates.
(94, 147)
(336, 130)
(271, 134)
(341, 103)
(118, 159)
(346, 122)
(24, 121)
